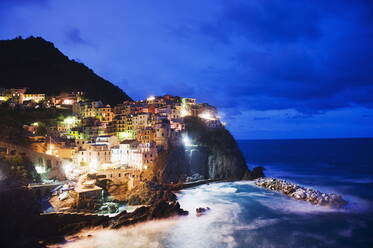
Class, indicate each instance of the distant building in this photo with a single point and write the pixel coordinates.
(19, 95)
(87, 109)
(67, 98)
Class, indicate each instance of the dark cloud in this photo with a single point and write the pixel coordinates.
(73, 35)
(265, 21)
(312, 56)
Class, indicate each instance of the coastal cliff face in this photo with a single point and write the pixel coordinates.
(212, 154)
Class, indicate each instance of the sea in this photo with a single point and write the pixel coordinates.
(243, 215)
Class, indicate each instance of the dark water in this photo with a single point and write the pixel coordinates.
(244, 215)
(345, 165)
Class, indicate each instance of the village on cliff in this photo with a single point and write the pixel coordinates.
(102, 145)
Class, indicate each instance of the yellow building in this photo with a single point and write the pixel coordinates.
(105, 114)
(19, 95)
(34, 97)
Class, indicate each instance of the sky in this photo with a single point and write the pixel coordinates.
(275, 68)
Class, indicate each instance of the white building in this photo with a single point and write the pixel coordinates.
(93, 155)
(108, 140)
(122, 153)
(135, 155)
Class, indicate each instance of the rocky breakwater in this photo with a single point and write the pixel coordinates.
(298, 192)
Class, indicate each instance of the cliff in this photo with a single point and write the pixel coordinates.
(38, 65)
(212, 154)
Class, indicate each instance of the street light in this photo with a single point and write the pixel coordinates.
(151, 98)
(186, 140)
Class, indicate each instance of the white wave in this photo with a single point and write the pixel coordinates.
(224, 190)
(289, 205)
(214, 188)
(141, 235)
(258, 223)
(244, 183)
(254, 194)
(216, 228)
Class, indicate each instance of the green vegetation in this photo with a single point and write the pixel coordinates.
(20, 167)
(12, 121)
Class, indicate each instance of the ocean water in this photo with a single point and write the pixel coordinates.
(243, 215)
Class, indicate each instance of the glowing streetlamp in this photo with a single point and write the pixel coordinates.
(68, 101)
(50, 150)
(40, 169)
(151, 98)
(186, 140)
(71, 120)
(184, 112)
(68, 169)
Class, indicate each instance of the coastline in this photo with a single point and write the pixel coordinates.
(77, 222)
(160, 209)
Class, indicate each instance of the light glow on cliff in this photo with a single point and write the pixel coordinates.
(207, 116)
(186, 140)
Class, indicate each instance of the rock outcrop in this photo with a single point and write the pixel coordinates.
(297, 192)
(201, 211)
(159, 209)
(148, 193)
(213, 154)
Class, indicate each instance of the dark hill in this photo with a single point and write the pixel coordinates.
(38, 65)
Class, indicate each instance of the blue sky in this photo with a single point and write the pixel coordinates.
(275, 68)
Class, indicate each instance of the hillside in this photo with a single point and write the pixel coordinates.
(38, 65)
